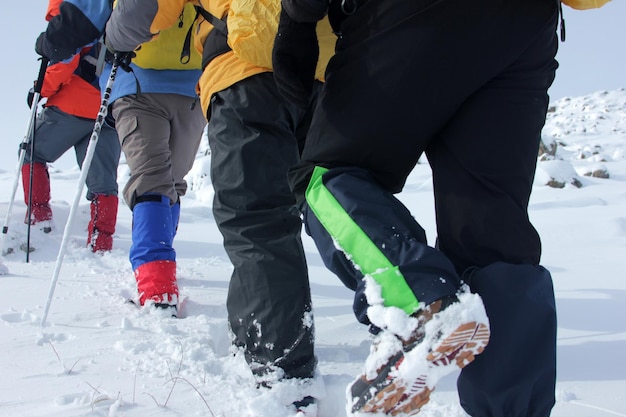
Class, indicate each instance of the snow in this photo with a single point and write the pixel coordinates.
(97, 355)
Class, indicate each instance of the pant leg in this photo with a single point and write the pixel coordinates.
(188, 124)
(102, 175)
(484, 161)
(483, 168)
(146, 127)
(56, 132)
(515, 376)
(251, 135)
(360, 230)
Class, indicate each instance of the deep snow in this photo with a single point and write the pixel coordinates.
(98, 356)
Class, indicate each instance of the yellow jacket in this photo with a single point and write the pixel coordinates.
(230, 67)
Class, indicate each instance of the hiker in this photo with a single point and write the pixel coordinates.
(466, 85)
(254, 136)
(67, 120)
(153, 107)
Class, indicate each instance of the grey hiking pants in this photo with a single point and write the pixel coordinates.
(57, 131)
(160, 136)
(254, 139)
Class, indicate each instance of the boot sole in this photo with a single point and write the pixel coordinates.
(453, 352)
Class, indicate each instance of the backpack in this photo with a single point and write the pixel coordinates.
(164, 51)
(585, 4)
(89, 67)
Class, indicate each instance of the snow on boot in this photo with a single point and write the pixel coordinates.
(102, 224)
(306, 407)
(41, 213)
(401, 374)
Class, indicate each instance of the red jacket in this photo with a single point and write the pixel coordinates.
(53, 9)
(66, 90)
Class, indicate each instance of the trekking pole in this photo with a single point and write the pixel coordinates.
(30, 136)
(91, 148)
(29, 209)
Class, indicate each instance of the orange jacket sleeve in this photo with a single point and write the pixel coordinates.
(53, 9)
(57, 75)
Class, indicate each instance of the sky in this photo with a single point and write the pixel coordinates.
(98, 356)
(593, 56)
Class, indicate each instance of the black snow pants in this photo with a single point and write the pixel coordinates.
(254, 138)
(465, 83)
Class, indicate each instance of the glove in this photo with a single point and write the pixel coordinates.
(30, 97)
(123, 59)
(44, 48)
(294, 59)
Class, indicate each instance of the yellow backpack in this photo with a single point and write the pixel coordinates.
(164, 51)
(585, 4)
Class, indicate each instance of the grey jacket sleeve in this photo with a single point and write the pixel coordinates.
(129, 25)
(306, 11)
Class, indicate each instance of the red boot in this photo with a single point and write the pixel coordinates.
(102, 224)
(156, 282)
(40, 208)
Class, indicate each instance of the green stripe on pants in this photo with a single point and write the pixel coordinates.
(357, 246)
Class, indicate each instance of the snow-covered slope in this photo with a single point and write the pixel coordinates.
(99, 356)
